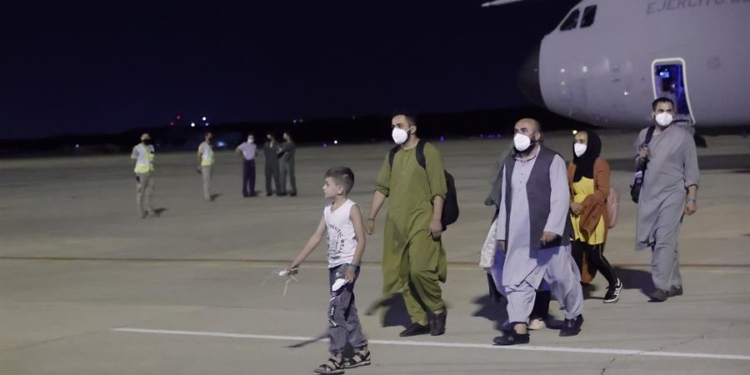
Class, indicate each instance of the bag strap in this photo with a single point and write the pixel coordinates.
(649, 134)
(392, 153)
(420, 153)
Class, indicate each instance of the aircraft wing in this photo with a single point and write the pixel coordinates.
(499, 2)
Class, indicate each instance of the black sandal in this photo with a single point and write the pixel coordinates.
(332, 367)
(361, 358)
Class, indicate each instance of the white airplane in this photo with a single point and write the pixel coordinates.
(608, 59)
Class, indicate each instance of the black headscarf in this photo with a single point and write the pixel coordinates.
(585, 163)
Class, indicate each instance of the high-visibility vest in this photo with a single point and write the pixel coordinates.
(207, 159)
(145, 161)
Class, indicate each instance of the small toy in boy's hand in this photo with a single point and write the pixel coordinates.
(289, 275)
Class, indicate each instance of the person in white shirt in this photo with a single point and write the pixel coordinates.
(342, 220)
(143, 154)
(248, 151)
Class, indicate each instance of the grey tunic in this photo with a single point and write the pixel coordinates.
(672, 168)
(521, 261)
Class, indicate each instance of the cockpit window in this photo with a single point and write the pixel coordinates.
(571, 22)
(589, 15)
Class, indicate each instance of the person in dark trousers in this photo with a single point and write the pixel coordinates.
(248, 151)
(588, 178)
(286, 159)
(271, 150)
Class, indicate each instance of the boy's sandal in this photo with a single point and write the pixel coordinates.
(358, 360)
(332, 367)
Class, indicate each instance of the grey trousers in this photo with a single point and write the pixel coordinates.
(287, 171)
(144, 188)
(559, 270)
(342, 315)
(665, 260)
(207, 173)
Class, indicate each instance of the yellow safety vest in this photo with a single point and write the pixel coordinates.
(207, 159)
(145, 161)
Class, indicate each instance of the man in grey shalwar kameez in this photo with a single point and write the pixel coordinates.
(669, 190)
(533, 229)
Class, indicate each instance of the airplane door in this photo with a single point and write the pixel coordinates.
(670, 81)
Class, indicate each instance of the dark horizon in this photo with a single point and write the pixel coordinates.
(89, 67)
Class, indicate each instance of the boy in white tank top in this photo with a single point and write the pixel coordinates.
(342, 220)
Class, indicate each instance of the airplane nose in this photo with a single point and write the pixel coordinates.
(528, 78)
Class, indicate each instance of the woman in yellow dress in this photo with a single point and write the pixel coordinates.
(588, 178)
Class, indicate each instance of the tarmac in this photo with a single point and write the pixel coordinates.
(88, 287)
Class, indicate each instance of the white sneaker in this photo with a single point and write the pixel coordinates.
(537, 324)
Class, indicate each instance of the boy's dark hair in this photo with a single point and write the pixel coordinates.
(661, 100)
(343, 176)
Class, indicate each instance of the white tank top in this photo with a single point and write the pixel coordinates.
(342, 240)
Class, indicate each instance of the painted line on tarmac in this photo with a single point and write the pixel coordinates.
(448, 344)
(272, 262)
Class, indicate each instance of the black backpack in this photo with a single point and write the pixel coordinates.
(450, 206)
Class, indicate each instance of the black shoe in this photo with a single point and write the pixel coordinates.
(269, 194)
(281, 194)
(414, 330)
(613, 292)
(512, 338)
(571, 327)
(292, 194)
(675, 291)
(658, 295)
(437, 323)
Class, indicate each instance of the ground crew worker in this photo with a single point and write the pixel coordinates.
(143, 154)
(206, 162)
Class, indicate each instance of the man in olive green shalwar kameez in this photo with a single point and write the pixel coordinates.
(413, 256)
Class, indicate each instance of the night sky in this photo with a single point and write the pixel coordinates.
(105, 67)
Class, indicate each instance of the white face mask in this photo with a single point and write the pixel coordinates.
(664, 119)
(400, 135)
(521, 142)
(579, 149)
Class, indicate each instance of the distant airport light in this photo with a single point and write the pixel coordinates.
(325, 145)
(171, 123)
(562, 83)
(575, 132)
(192, 124)
(221, 144)
(294, 121)
(499, 135)
(481, 136)
(442, 139)
(77, 145)
(206, 124)
(562, 70)
(335, 142)
(178, 117)
(585, 69)
(204, 118)
(627, 93)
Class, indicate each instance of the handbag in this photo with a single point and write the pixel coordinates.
(635, 188)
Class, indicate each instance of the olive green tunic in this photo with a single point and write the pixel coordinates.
(410, 255)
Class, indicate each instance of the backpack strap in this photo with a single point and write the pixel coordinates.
(392, 153)
(420, 153)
